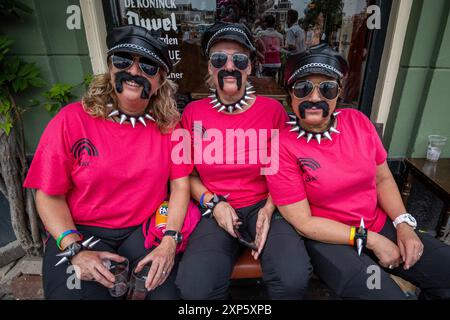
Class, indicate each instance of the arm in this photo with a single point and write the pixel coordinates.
(55, 214)
(163, 256)
(316, 228)
(178, 203)
(224, 213)
(325, 230)
(197, 187)
(263, 225)
(390, 201)
(388, 195)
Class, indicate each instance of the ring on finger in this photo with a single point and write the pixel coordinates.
(391, 266)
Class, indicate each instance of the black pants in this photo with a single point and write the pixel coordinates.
(129, 243)
(352, 276)
(208, 261)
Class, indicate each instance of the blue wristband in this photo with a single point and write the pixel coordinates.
(203, 198)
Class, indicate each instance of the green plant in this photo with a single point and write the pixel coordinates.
(57, 96)
(17, 77)
(61, 94)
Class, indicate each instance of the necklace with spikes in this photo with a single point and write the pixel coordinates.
(132, 119)
(220, 106)
(296, 127)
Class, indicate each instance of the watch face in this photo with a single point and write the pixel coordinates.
(177, 236)
(411, 219)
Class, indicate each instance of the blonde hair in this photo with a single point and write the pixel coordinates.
(162, 103)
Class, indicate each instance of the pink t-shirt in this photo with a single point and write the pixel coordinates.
(337, 177)
(113, 176)
(234, 169)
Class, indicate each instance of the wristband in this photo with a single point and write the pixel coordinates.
(74, 248)
(64, 234)
(361, 239)
(351, 240)
(202, 198)
(213, 203)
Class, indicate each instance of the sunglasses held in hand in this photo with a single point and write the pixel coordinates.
(244, 238)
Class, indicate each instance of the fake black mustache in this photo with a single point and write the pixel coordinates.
(235, 73)
(318, 105)
(122, 76)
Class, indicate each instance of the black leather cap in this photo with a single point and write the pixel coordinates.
(134, 39)
(319, 59)
(237, 32)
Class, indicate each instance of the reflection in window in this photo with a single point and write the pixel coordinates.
(280, 28)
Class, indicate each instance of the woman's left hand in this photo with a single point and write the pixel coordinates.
(162, 259)
(262, 229)
(411, 248)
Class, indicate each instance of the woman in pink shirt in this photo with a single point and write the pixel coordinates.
(101, 170)
(232, 132)
(334, 186)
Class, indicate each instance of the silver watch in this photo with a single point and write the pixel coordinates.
(407, 218)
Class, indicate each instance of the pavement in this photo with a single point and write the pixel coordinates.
(22, 280)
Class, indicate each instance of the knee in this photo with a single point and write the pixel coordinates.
(289, 284)
(192, 288)
(364, 285)
(196, 282)
(435, 294)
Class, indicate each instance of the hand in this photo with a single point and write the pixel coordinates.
(163, 259)
(226, 217)
(411, 248)
(262, 229)
(385, 250)
(89, 266)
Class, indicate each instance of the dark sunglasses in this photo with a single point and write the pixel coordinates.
(219, 59)
(327, 89)
(123, 60)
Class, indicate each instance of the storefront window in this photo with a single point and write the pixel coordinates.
(280, 27)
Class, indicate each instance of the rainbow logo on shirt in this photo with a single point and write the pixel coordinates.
(308, 164)
(84, 145)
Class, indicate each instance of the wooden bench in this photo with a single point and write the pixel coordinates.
(246, 267)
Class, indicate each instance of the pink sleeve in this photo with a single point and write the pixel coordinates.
(281, 117)
(286, 186)
(52, 163)
(377, 144)
(380, 151)
(186, 123)
(181, 164)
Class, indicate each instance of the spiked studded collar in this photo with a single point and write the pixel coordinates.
(220, 106)
(132, 119)
(308, 135)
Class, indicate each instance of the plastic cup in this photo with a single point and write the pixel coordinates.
(120, 272)
(138, 291)
(435, 145)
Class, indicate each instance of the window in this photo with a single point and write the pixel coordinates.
(298, 24)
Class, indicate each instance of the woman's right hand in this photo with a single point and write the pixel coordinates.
(226, 217)
(89, 266)
(386, 251)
